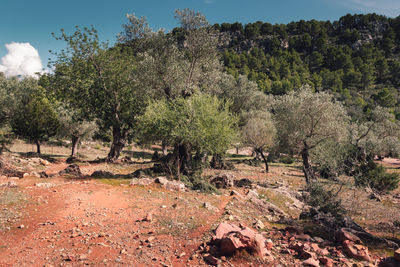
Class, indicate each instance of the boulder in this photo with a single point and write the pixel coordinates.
(356, 251)
(230, 238)
(170, 185)
(72, 170)
(344, 234)
(223, 181)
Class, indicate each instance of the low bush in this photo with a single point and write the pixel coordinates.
(325, 200)
(375, 176)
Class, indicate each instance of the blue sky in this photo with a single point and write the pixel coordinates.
(30, 21)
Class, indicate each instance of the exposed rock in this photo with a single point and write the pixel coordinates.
(259, 224)
(311, 262)
(345, 234)
(9, 171)
(44, 162)
(210, 259)
(356, 251)
(266, 206)
(397, 255)
(222, 181)
(245, 182)
(333, 224)
(230, 238)
(44, 185)
(102, 174)
(325, 261)
(9, 184)
(72, 170)
(170, 185)
(141, 181)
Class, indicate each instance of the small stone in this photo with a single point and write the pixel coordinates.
(21, 226)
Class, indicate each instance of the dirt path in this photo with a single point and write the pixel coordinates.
(85, 222)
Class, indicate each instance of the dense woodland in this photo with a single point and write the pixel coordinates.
(327, 92)
(356, 58)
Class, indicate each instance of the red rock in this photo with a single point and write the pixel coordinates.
(323, 252)
(230, 238)
(311, 262)
(307, 254)
(314, 247)
(344, 234)
(269, 244)
(397, 254)
(212, 260)
(356, 251)
(326, 261)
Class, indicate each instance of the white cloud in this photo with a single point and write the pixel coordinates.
(208, 2)
(21, 59)
(389, 8)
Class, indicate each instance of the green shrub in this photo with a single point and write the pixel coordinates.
(325, 200)
(286, 159)
(375, 176)
(196, 182)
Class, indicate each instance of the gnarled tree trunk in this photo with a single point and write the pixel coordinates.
(183, 158)
(118, 143)
(75, 142)
(37, 142)
(307, 167)
(261, 153)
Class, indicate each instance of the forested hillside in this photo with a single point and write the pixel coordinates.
(356, 57)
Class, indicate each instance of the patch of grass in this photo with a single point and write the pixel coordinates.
(113, 182)
(278, 199)
(179, 225)
(11, 196)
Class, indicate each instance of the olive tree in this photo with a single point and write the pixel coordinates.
(179, 64)
(73, 127)
(101, 83)
(35, 118)
(201, 122)
(8, 87)
(306, 120)
(259, 132)
(376, 134)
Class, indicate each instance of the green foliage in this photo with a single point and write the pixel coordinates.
(306, 120)
(200, 120)
(325, 200)
(286, 159)
(375, 176)
(357, 53)
(36, 119)
(196, 182)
